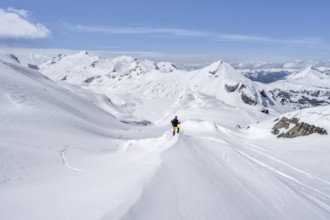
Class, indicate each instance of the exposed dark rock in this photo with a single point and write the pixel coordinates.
(248, 100)
(213, 72)
(275, 131)
(230, 88)
(64, 78)
(283, 123)
(12, 56)
(241, 88)
(302, 98)
(139, 123)
(34, 67)
(90, 79)
(314, 102)
(263, 94)
(299, 128)
(266, 101)
(94, 64)
(266, 111)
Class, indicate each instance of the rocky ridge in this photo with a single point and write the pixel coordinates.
(293, 128)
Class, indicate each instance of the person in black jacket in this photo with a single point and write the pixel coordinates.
(175, 125)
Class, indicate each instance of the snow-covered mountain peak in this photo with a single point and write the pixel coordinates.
(124, 58)
(309, 72)
(225, 71)
(126, 65)
(83, 67)
(306, 88)
(222, 81)
(310, 76)
(218, 66)
(79, 58)
(166, 67)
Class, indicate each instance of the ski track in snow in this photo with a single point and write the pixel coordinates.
(308, 175)
(321, 195)
(65, 160)
(314, 194)
(198, 152)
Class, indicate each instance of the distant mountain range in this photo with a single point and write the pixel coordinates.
(279, 88)
(154, 80)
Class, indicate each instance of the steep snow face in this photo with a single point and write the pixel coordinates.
(30, 93)
(224, 82)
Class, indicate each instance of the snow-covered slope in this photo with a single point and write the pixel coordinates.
(27, 90)
(56, 148)
(212, 172)
(65, 155)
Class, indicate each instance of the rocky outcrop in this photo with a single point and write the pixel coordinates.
(245, 98)
(248, 100)
(230, 88)
(241, 88)
(12, 56)
(34, 67)
(298, 129)
(90, 79)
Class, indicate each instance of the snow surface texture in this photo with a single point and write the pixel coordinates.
(76, 150)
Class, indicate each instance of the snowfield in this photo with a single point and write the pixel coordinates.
(104, 149)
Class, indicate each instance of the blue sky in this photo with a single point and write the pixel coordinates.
(235, 29)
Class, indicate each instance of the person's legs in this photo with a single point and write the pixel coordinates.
(174, 128)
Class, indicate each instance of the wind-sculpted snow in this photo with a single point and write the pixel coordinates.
(69, 153)
(210, 173)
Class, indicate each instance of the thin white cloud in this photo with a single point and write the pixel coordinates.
(136, 30)
(15, 24)
(241, 37)
(308, 42)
